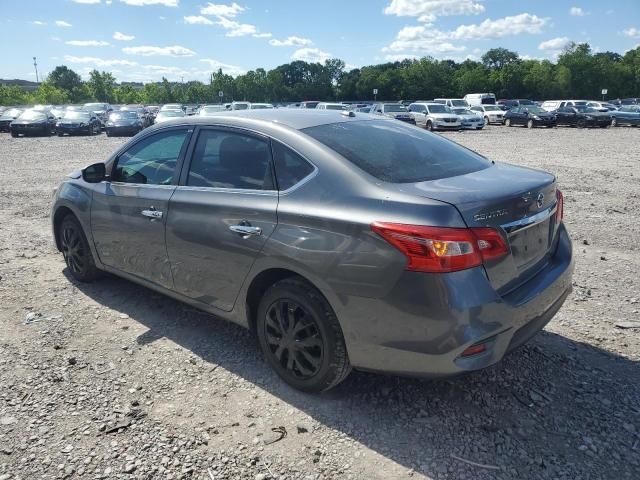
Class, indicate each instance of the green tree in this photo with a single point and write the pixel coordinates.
(48, 94)
(64, 78)
(101, 86)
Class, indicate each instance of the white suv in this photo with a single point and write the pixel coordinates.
(435, 116)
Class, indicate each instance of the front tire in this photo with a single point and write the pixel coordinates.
(300, 336)
(529, 123)
(14, 134)
(614, 122)
(76, 251)
(429, 125)
(507, 122)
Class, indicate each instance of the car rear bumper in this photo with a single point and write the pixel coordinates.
(423, 326)
(123, 130)
(73, 130)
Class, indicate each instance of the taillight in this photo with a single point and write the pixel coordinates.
(442, 249)
(559, 206)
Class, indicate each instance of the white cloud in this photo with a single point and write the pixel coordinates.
(311, 55)
(197, 20)
(426, 39)
(263, 35)
(122, 37)
(398, 57)
(142, 3)
(631, 32)
(38, 22)
(232, 70)
(554, 44)
(577, 12)
(236, 29)
(87, 43)
(428, 10)
(99, 62)
(62, 23)
(220, 10)
(88, 2)
(148, 51)
(291, 42)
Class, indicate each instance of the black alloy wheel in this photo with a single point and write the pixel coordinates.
(76, 251)
(300, 336)
(294, 338)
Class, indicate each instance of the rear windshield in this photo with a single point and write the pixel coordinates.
(459, 103)
(397, 153)
(488, 101)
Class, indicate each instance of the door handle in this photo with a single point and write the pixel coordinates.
(152, 213)
(246, 230)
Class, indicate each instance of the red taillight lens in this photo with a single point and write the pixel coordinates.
(559, 206)
(442, 249)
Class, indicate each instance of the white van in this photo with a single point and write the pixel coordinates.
(453, 102)
(480, 99)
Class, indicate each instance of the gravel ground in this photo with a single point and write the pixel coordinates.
(111, 380)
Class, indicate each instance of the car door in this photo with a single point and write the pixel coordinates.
(565, 116)
(129, 212)
(221, 214)
(419, 114)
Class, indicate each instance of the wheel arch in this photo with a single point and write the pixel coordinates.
(59, 215)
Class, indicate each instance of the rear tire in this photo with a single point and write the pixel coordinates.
(300, 336)
(76, 251)
(581, 123)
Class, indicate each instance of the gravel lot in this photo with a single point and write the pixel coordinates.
(111, 380)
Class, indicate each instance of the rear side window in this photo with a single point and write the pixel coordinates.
(290, 167)
(225, 159)
(398, 153)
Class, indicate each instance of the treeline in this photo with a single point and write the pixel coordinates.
(578, 73)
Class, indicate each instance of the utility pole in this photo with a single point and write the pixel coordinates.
(35, 65)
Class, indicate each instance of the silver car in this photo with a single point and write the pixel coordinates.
(470, 121)
(435, 116)
(342, 240)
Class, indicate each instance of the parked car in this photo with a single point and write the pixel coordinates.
(529, 116)
(172, 106)
(435, 116)
(630, 101)
(475, 99)
(516, 102)
(58, 112)
(143, 113)
(260, 106)
(308, 104)
(164, 115)
(602, 106)
(470, 120)
(453, 103)
(128, 122)
(396, 111)
(209, 110)
(626, 115)
(329, 106)
(78, 122)
(33, 122)
(490, 113)
(582, 116)
(552, 105)
(366, 109)
(432, 260)
(102, 110)
(8, 116)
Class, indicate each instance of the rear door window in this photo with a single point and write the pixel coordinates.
(394, 152)
(291, 168)
(228, 159)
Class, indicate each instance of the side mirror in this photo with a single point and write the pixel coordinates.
(95, 173)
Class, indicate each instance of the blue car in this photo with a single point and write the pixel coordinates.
(626, 115)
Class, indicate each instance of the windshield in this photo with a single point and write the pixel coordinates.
(334, 107)
(629, 109)
(459, 103)
(14, 112)
(439, 109)
(211, 109)
(94, 107)
(490, 108)
(74, 115)
(488, 101)
(123, 114)
(535, 109)
(395, 108)
(171, 106)
(526, 102)
(464, 111)
(32, 115)
(240, 106)
(260, 106)
(394, 152)
(585, 109)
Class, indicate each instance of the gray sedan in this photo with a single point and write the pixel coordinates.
(342, 240)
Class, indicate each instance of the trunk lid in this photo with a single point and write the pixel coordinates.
(519, 202)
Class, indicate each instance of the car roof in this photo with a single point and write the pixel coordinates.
(291, 117)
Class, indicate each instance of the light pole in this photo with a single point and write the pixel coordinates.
(35, 65)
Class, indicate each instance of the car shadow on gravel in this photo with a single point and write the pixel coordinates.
(555, 408)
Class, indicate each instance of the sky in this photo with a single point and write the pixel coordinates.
(144, 40)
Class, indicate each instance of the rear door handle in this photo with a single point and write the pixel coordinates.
(246, 230)
(152, 213)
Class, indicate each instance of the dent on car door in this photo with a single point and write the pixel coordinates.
(221, 214)
(128, 213)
